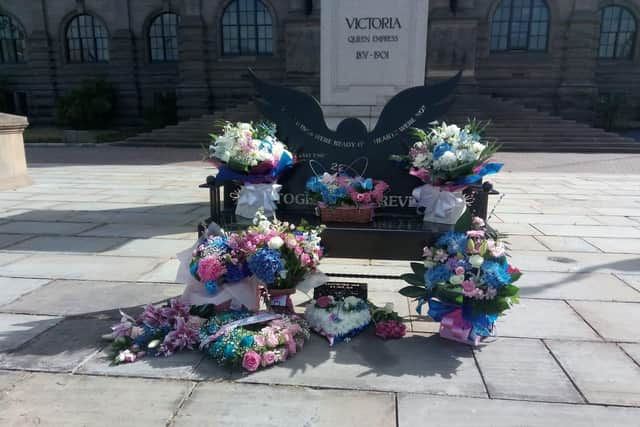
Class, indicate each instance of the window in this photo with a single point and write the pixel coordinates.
(520, 25)
(247, 29)
(163, 38)
(87, 40)
(12, 41)
(617, 33)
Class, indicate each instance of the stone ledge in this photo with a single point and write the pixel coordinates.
(10, 123)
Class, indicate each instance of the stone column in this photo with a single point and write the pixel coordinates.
(578, 89)
(193, 88)
(13, 163)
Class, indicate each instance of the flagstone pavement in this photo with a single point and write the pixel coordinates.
(99, 230)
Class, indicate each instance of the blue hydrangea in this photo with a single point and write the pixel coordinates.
(315, 185)
(247, 341)
(229, 351)
(211, 286)
(235, 273)
(266, 264)
(218, 245)
(439, 150)
(453, 242)
(435, 275)
(495, 274)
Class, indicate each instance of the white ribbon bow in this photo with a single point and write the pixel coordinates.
(254, 196)
(440, 206)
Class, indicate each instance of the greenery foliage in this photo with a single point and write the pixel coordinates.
(92, 106)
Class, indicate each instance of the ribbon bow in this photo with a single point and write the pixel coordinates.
(254, 196)
(439, 206)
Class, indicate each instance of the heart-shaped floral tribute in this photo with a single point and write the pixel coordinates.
(338, 319)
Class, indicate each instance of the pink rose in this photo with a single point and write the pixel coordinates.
(459, 270)
(426, 252)
(469, 288)
(475, 233)
(272, 341)
(324, 301)
(477, 221)
(259, 340)
(251, 361)
(268, 358)
(305, 259)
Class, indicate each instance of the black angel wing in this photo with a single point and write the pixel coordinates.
(416, 107)
(289, 107)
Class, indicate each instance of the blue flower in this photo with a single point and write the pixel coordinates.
(435, 275)
(247, 341)
(439, 150)
(193, 268)
(211, 286)
(266, 264)
(453, 242)
(495, 274)
(315, 185)
(235, 273)
(229, 351)
(218, 244)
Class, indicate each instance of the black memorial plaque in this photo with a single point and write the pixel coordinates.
(301, 125)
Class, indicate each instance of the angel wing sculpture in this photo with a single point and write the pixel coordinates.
(301, 123)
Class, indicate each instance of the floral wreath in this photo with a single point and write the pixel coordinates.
(338, 319)
(256, 345)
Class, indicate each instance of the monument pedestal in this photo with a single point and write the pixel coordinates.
(13, 164)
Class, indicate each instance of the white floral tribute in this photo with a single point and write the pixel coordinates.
(338, 319)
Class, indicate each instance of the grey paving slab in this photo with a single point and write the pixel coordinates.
(547, 219)
(64, 400)
(589, 231)
(602, 371)
(10, 239)
(143, 231)
(524, 369)
(61, 348)
(567, 244)
(630, 211)
(615, 321)
(623, 246)
(16, 329)
(7, 258)
(82, 267)
(163, 273)
(67, 298)
(632, 280)
(416, 363)
(544, 319)
(633, 350)
(42, 227)
(68, 244)
(11, 287)
(181, 365)
(576, 286)
(10, 378)
(161, 248)
(245, 405)
(571, 262)
(525, 243)
(414, 410)
(614, 220)
(400, 303)
(517, 229)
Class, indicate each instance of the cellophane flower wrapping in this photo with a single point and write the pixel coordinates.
(466, 278)
(338, 319)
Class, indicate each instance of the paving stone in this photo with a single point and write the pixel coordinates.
(589, 231)
(244, 404)
(10, 378)
(61, 348)
(622, 246)
(10, 239)
(70, 298)
(400, 303)
(575, 286)
(67, 244)
(414, 409)
(11, 288)
(163, 273)
(42, 227)
(615, 321)
(525, 243)
(633, 350)
(416, 363)
(544, 319)
(142, 231)
(366, 270)
(567, 244)
(547, 219)
(82, 267)
(575, 262)
(631, 279)
(161, 248)
(602, 371)
(524, 369)
(6, 258)
(181, 365)
(614, 220)
(16, 329)
(630, 211)
(64, 400)
(517, 229)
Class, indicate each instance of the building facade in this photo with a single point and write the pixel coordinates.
(556, 55)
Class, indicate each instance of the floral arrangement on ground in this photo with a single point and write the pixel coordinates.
(338, 319)
(467, 282)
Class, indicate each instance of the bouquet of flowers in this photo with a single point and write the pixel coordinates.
(448, 159)
(251, 154)
(341, 191)
(467, 282)
(158, 331)
(388, 323)
(338, 319)
(230, 340)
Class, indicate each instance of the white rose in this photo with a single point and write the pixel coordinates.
(276, 242)
(477, 147)
(388, 307)
(244, 126)
(476, 260)
(456, 279)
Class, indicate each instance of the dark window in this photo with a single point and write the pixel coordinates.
(163, 38)
(617, 33)
(520, 25)
(87, 40)
(12, 41)
(247, 29)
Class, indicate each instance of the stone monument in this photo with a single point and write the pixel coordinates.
(13, 165)
(370, 51)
